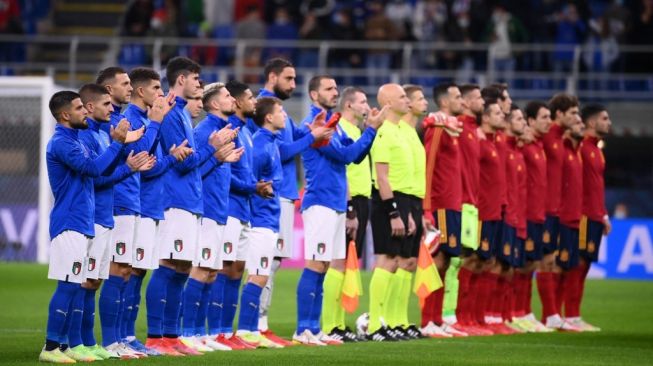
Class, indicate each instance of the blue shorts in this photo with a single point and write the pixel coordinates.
(550, 234)
(533, 244)
(448, 222)
(490, 238)
(568, 254)
(589, 238)
(504, 250)
(518, 253)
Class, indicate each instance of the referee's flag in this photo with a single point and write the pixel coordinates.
(427, 278)
(351, 287)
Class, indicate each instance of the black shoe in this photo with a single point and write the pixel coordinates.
(350, 336)
(399, 334)
(338, 334)
(380, 336)
(413, 332)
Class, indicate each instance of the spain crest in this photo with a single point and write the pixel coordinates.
(564, 255)
(140, 253)
(121, 248)
(530, 245)
(591, 246)
(228, 247)
(206, 253)
(91, 264)
(279, 244)
(453, 242)
(546, 237)
(506, 249)
(179, 245)
(264, 262)
(321, 248)
(485, 245)
(77, 268)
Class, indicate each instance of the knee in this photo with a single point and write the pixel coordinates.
(183, 266)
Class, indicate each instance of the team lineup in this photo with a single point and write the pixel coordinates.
(508, 194)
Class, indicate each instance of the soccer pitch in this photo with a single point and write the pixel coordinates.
(623, 309)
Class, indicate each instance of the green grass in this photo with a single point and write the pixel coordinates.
(622, 309)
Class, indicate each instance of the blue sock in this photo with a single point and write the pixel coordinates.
(109, 304)
(88, 319)
(230, 304)
(63, 338)
(216, 305)
(305, 298)
(121, 310)
(249, 303)
(127, 306)
(173, 305)
(316, 309)
(58, 309)
(155, 300)
(192, 300)
(200, 321)
(133, 297)
(76, 315)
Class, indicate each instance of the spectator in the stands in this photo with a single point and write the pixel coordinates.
(10, 23)
(502, 32)
(378, 28)
(281, 29)
(251, 27)
(570, 32)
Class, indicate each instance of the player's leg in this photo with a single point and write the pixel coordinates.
(590, 240)
(567, 260)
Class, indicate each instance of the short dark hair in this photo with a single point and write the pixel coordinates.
(348, 95)
(501, 87)
(275, 65)
(264, 106)
(441, 90)
(60, 100)
(314, 83)
(488, 104)
(410, 89)
(562, 102)
(210, 91)
(180, 66)
(108, 74)
(513, 107)
(533, 108)
(143, 75)
(236, 88)
(591, 110)
(468, 88)
(491, 94)
(91, 92)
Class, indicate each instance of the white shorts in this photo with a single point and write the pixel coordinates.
(146, 235)
(68, 252)
(324, 234)
(179, 236)
(284, 245)
(209, 253)
(260, 251)
(99, 254)
(234, 240)
(123, 238)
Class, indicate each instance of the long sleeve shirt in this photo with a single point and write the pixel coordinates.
(267, 167)
(571, 200)
(243, 182)
(536, 183)
(489, 197)
(71, 170)
(469, 159)
(554, 150)
(444, 189)
(216, 176)
(593, 182)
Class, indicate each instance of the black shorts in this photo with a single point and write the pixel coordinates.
(590, 233)
(490, 238)
(533, 247)
(384, 242)
(449, 224)
(568, 247)
(505, 249)
(550, 234)
(362, 206)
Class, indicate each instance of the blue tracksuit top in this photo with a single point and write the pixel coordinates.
(243, 183)
(71, 170)
(127, 198)
(326, 167)
(183, 183)
(216, 176)
(267, 167)
(97, 141)
(292, 140)
(152, 196)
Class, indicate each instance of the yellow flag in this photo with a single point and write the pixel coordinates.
(427, 278)
(351, 287)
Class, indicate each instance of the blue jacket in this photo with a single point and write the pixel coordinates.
(292, 140)
(243, 183)
(326, 167)
(216, 176)
(71, 170)
(127, 200)
(183, 183)
(97, 141)
(267, 166)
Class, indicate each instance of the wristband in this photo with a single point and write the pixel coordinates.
(351, 212)
(390, 207)
(394, 214)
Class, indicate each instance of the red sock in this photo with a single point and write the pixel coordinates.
(498, 298)
(507, 307)
(464, 279)
(519, 286)
(427, 310)
(529, 293)
(546, 287)
(487, 284)
(585, 268)
(572, 292)
(475, 284)
(561, 291)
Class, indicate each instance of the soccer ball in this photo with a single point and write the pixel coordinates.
(361, 324)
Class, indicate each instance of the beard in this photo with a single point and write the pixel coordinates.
(281, 94)
(229, 112)
(82, 125)
(249, 114)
